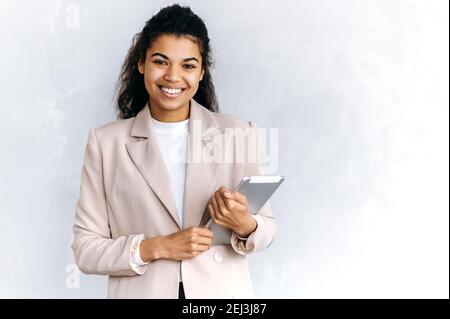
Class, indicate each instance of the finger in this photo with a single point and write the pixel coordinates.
(202, 232)
(203, 240)
(224, 190)
(223, 208)
(215, 206)
(227, 193)
(239, 197)
(198, 247)
(214, 217)
(229, 203)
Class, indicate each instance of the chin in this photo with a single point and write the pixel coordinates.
(171, 105)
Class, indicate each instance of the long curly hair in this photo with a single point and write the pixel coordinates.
(131, 93)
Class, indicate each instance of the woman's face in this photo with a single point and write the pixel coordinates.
(172, 71)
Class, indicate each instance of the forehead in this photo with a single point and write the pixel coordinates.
(175, 48)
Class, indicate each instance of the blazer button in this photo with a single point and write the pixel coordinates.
(218, 256)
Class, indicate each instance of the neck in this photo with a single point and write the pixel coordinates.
(164, 115)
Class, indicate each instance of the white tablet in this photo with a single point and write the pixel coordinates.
(258, 190)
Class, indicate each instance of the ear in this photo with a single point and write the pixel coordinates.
(141, 67)
(201, 75)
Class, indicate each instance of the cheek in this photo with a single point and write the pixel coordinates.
(193, 80)
(151, 75)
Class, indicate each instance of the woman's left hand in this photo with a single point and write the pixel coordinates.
(231, 210)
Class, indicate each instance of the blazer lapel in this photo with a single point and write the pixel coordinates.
(200, 175)
(147, 158)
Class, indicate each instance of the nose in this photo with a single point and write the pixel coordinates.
(172, 74)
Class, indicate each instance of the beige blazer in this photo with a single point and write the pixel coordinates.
(125, 192)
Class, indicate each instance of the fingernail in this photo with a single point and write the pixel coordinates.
(227, 194)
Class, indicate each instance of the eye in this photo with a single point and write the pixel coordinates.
(159, 62)
(189, 66)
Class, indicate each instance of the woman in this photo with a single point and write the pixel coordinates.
(148, 186)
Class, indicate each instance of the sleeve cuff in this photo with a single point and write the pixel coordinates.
(240, 244)
(136, 262)
(241, 238)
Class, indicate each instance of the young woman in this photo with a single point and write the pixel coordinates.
(148, 186)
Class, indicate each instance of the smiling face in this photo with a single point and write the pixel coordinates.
(172, 71)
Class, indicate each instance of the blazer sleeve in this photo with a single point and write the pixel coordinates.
(94, 250)
(264, 233)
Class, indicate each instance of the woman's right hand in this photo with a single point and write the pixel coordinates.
(184, 244)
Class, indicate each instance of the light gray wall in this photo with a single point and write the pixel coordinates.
(357, 89)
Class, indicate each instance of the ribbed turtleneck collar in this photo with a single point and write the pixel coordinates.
(170, 127)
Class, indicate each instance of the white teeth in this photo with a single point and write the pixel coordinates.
(171, 91)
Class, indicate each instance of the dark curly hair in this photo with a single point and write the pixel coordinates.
(131, 93)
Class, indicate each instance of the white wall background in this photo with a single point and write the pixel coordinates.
(358, 90)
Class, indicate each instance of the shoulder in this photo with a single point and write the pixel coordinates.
(230, 121)
(220, 120)
(114, 131)
(114, 127)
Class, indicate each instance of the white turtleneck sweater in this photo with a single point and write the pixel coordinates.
(172, 142)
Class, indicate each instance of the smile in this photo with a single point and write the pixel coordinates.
(169, 92)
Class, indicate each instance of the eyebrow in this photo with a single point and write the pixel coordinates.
(165, 57)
